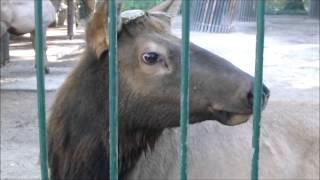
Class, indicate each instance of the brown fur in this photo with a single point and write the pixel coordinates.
(78, 147)
(96, 32)
(148, 102)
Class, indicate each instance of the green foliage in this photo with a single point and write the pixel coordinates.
(140, 4)
(280, 7)
(272, 6)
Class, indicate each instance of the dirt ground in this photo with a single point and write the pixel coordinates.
(19, 122)
(19, 134)
(291, 71)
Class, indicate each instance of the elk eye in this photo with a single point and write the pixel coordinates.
(150, 58)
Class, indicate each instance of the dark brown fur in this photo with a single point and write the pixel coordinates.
(148, 102)
(78, 139)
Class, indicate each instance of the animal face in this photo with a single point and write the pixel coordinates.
(149, 58)
(149, 95)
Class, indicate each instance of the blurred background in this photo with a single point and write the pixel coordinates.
(224, 27)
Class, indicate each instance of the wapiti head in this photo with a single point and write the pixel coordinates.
(149, 70)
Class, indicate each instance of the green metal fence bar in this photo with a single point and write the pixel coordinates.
(113, 90)
(258, 89)
(40, 89)
(184, 90)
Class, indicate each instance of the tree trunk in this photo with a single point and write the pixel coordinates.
(71, 18)
(4, 49)
(294, 5)
(315, 9)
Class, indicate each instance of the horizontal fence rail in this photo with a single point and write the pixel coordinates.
(41, 90)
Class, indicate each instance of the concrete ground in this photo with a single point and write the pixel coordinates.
(19, 123)
(291, 71)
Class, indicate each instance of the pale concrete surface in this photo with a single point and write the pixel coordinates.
(62, 53)
(291, 71)
(19, 123)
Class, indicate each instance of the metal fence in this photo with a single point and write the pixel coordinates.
(246, 10)
(220, 15)
(213, 15)
(41, 90)
(113, 89)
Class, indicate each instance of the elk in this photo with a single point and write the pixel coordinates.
(18, 18)
(149, 76)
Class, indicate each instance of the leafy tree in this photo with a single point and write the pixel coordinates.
(294, 5)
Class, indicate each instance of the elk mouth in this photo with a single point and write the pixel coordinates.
(229, 118)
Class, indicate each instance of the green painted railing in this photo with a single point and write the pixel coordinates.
(184, 90)
(258, 89)
(40, 89)
(113, 90)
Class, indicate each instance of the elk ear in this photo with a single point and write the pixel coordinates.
(97, 29)
(164, 17)
(162, 7)
(166, 10)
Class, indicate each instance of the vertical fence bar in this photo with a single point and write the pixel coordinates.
(70, 18)
(113, 90)
(184, 90)
(40, 89)
(258, 89)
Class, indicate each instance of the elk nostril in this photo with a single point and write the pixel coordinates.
(250, 98)
(264, 96)
(265, 92)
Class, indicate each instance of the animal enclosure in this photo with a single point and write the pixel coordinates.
(113, 88)
(236, 49)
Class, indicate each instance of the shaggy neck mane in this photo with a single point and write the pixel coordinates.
(133, 141)
(79, 122)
